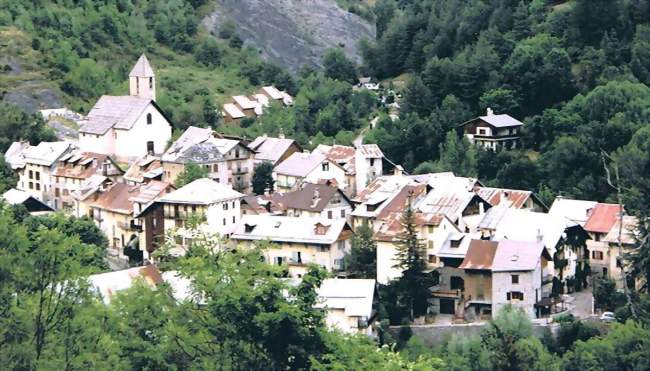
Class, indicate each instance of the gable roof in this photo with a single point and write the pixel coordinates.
(15, 197)
(576, 210)
(497, 121)
(300, 164)
(82, 165)
(233, 111)
(110, 283)
(513, 197)
(201, 192)
(603, 217)
(45, 153)
(311, 197)
(628, 232)
(271, 149)
(288, 229)
(142, 68)
(480, 255)
(194, 145)
(119, 112)
(517, 256)
(145, 168)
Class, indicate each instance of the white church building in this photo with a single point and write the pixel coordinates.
(128, 126)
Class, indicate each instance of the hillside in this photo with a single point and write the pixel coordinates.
(293, 33)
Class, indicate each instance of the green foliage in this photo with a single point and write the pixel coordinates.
(263, 178)
(339, 67)
(192, 172)
(17, 125)
(458, 155)
(361, 261)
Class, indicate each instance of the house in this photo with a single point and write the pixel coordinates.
(128, 126)
(493, 131)
(35, 167)
(144, 170)
(362, 163)
(370, 201)
(297, 242)
(476, 282)
(228, 161)
(113, 207)
(316, 200)
(565, 240)
(274, 94)
(262, 204)
(73, 169)
(518, 199)
(347, 304)
(273, 150)
(214, 206)
(33, 205)
(241, 106)
(109, 284)
(303, 167)
(604, 226)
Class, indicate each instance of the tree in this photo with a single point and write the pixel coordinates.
(417, 98)
(209, 52)
(263, 178)
(15, 125)
(411, 253)
(641, 53)
(338, 66)
(192, 172)
(361, 261)
(458, 155)
(500, 100)
(8, 178)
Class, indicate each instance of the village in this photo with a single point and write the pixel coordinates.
(486, 247)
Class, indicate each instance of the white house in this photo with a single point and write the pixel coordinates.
(347, 304)
(298, 242)
(129, 126)
(307, 167)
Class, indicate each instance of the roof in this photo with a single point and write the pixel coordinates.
(18, 197)
(288, 229)
(370, 151)
(243, 102)
(110, 283)
(525, 225)
(196, 145)
(514, 255)
(148, 192)
(449, 196)
(576, 210)
(628, 232)
(513, 197)
(83, 165)
(382, 188)
(258, 204)
(13, 155)
(455, 245)
(89, 186)
(497, 121)
(116, 198)
(45, 153)
(300, 164)
(144, 168)
(233, 111)
(271, 149)
(602, 217)
(354, 296)
(390, 226)
(311, 197)
(142, 68)
(201, 192)
(272, 92)
(480, 255)
(119, 112)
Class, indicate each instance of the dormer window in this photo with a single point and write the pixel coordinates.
(149, 119)
(248, 228)
(321, 229)
(326, 166)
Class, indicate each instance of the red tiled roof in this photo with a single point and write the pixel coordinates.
(602, 218)
(480, 255)
(516, 197)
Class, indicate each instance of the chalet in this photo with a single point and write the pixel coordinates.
(303, 167)
(241, 106)
(228, 161)
(297, 242)
(130, 126)
(36, 166)
(273, 150)
(493, 131)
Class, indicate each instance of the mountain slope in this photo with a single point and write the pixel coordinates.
(293, 33)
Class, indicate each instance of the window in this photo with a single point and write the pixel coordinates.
(514, 279)
(236, 153)
(38, 175)
(342, 213)
(57, 192)
(430, 244)
(224, 221)
(430, 228)
(326, 166)
(150, 149)
(233, 220)
(341, 245)
(329, 214)
(225, 206)
(597, 255)
(149, 120)
(38, 186)
(433, 259)
(31, 174)
(150, 82)
(457, 283)
(31, 185)
(372, 162)
(233, 204)
(215, 168)
(515, 295)
(66, 192)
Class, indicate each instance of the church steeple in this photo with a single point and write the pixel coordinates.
(142, 79)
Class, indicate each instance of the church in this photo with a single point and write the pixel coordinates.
(128, 126)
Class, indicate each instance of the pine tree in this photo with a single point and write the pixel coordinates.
(262, 178)
(414, 283)
(361, 262)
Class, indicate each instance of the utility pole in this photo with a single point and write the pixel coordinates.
(618, 189)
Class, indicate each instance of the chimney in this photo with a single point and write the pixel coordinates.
(281, 134)
(490, 112)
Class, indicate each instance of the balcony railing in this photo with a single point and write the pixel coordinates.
(438, 292)
(241, 170)
(130, 226)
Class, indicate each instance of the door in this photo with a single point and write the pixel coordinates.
(150, 148)
(447, 306)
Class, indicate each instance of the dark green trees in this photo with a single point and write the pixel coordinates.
(339, 67)
(263, 178)
(191, 173)
(361, 262)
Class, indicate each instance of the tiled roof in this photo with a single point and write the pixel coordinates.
(514, 197)
(83, 165)
(602, 217)
(117, 198)
(120, 112)
(288, 229)
(480, 255)
(370, 151)
(390, 227)
(143, 169)
(382, 188)
(142, 68)
(311, 197)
